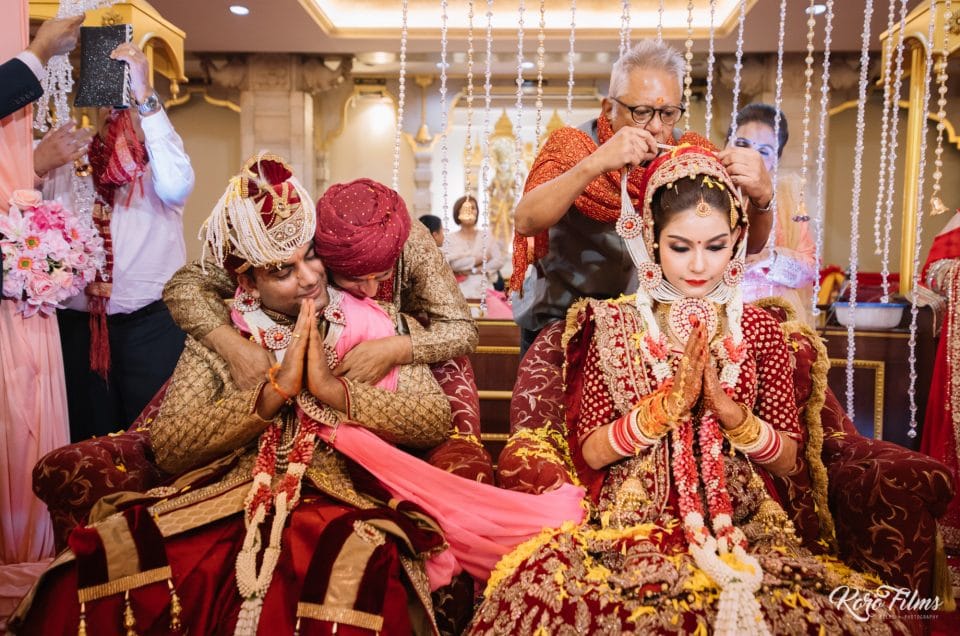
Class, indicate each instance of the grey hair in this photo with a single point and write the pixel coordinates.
(648, 55)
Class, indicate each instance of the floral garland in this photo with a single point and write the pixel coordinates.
(721, 555)
(264, 496)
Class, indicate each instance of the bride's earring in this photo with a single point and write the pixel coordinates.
(733, 273)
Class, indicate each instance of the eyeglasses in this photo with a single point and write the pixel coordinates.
(642, 115)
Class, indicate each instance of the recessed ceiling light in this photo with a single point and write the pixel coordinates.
(527, 65)
(239, 9)
(817, 9)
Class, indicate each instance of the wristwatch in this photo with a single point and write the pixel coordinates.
(150, 105)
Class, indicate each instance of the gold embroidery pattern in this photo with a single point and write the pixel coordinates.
(347, 616)
(116, 586)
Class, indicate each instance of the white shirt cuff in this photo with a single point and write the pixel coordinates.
(33, 63)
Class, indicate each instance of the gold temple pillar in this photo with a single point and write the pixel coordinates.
(916, 29)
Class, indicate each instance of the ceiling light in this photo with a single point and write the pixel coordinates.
(527, 65)
(817, 9)
(239, 9)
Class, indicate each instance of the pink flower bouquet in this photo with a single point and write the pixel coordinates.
(49, 253)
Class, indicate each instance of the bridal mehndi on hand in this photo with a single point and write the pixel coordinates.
(679, 407)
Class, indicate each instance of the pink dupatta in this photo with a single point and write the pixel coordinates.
(33, 398)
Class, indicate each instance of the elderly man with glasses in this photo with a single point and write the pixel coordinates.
(566, 245)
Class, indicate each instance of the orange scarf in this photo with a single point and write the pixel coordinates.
(600, 200)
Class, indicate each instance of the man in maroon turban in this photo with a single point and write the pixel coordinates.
(361, 229)
(366, 240)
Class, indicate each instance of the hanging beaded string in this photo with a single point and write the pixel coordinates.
(573, 37)
(688, 67)
(892, 161)
(778, 105)
(483, 193)
(884, 129)
(737, 70)
(57, 85)
(660, 22)
(711, 60)
(855, 203)
(807, 97)
(58, 81)
(625, 28)
(822, 144)
(468, 145)
(401, 101)
(444, 158)
(936, 203)
(918, 242)
(517, 140)
(541, 51)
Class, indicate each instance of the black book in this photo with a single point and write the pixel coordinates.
(103, 81)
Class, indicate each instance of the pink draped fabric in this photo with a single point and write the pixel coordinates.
(480, 522)
(368, 321)
(33, 398)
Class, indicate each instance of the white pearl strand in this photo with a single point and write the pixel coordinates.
(660, 22)
(822, 144)
(884, 129)
(737, 70)
(688, 67)
(807, 96)
(778, 105)
(401, 100)
(483, 193)
(855, 203)
(444, 155)
(625, 27)
(914, 309)
(518, 141)
(711, 61)
(892, 161)
(541, 51)
(941, 106)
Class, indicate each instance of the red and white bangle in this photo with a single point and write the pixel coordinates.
(767, 448)
(625, 437)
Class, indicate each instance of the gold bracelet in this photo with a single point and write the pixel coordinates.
(746, 433)
(272, 373)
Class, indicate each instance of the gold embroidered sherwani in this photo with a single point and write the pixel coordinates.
(424, 286)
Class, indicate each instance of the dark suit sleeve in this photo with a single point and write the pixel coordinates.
(18, 87)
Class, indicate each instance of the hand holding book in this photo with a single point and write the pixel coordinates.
(139, 69)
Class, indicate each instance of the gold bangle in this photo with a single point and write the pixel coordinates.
(748, 432)
(276, 387)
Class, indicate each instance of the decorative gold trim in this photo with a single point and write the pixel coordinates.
(880, 372)
(124, 583)
(345, 615)
(495, 437)
(185, 96)
(497, 351)
(496, 323)
(812, 419)
(495, 395)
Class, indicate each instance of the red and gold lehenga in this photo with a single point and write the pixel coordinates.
(941, 426)
(630, 568)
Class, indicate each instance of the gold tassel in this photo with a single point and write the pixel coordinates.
(942, 586)
(82, 627)
(175, 608)
(129, 620)
(296, 629)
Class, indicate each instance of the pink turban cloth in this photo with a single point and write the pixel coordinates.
(361, 228)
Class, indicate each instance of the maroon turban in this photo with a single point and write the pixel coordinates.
(361, 228)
